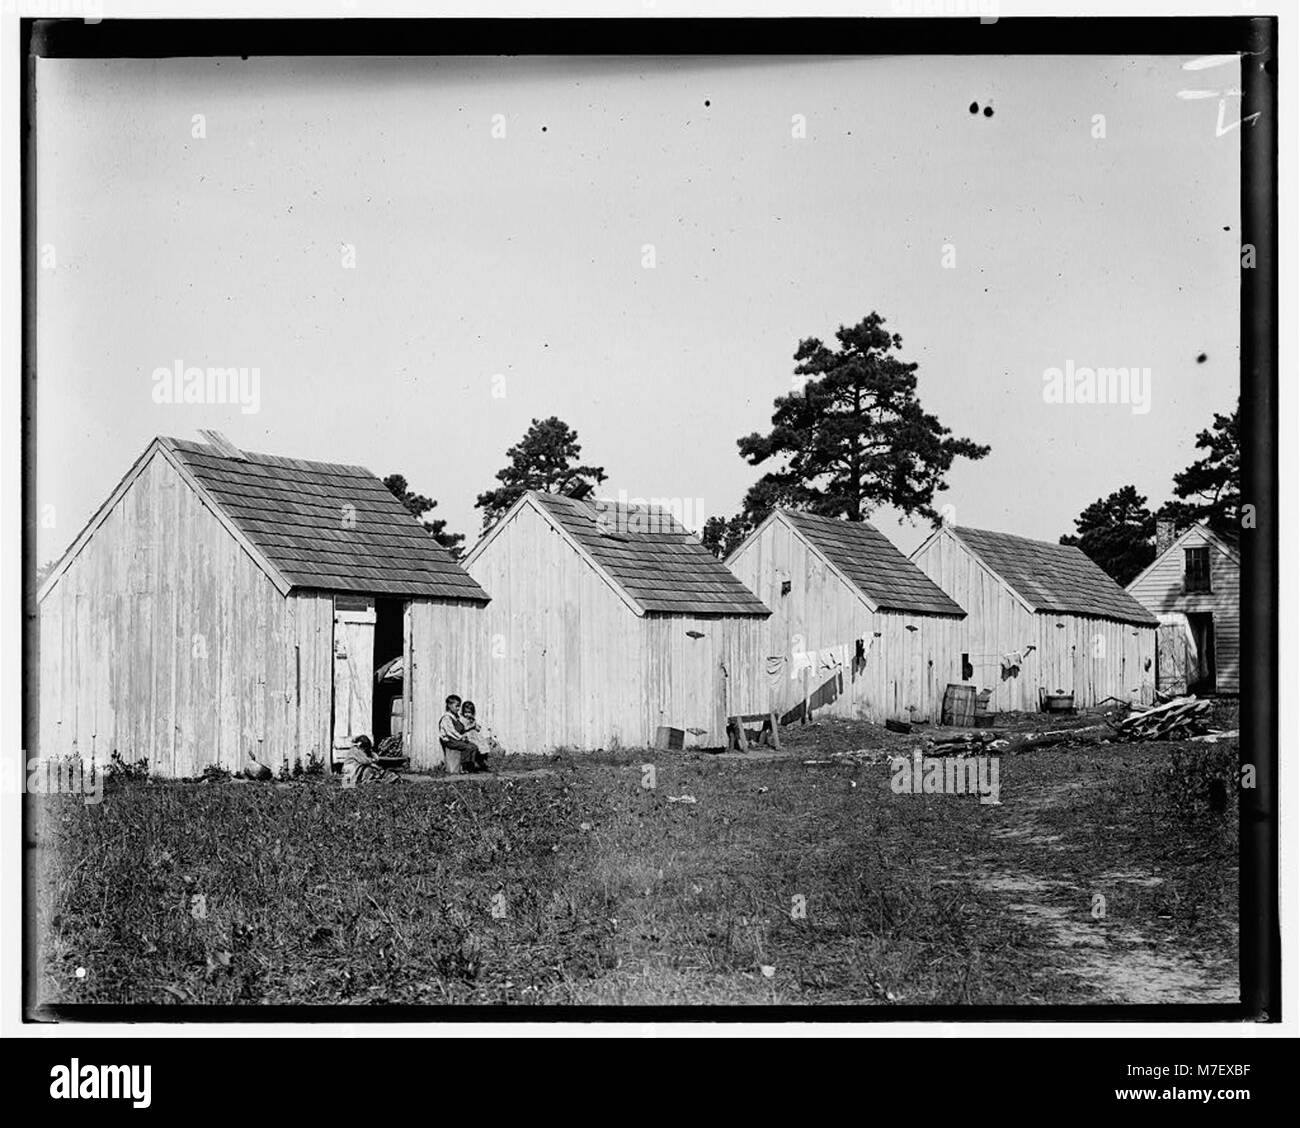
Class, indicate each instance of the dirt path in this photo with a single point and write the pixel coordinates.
(1120, 962)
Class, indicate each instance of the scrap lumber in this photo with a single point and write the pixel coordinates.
(1031, 740)
(1179, 719)
(962, 739)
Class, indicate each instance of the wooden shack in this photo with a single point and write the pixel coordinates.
(223, 607)
(1041, 618)
(857, 630)
(610, 622)
(1193, 587)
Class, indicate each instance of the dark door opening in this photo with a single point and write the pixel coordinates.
(389, 669)
(1202, 679)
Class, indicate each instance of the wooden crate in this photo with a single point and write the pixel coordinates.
(958, 705)
(670, 738)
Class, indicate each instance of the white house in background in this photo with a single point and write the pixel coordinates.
(1193, 587)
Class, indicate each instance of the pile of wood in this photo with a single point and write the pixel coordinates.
(1179, 719)
(959, 745)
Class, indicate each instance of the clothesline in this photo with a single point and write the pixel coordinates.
(823, 659)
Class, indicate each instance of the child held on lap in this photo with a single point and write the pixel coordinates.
(476, 735)
(458, 753)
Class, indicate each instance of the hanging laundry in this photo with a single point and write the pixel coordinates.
(860, 648)
(834, 657)
(1012, 661)
(802, 660)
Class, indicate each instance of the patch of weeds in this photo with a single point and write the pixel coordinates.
(1199, 781)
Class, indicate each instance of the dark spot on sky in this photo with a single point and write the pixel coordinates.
(1226, 227)
(974, 107)
(543, 129)
(707, 102)
(988, 111)
(1201, 359)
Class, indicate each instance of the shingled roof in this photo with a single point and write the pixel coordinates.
(873, 565)
(1054, 577)
(659, 564)
(291, 510)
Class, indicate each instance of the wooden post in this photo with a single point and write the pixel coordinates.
(771, 734)
(737, 725)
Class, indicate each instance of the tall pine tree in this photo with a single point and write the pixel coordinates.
(545, 459)
(1116, 533)
(855, 436)
(1210, 488)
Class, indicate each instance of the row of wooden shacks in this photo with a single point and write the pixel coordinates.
(224, 606)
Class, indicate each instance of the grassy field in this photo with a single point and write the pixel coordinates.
(567, 881)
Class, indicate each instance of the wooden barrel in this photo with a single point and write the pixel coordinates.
(958, 705)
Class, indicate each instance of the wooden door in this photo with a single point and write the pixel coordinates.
(1200, 675)
(354, 667)
(1172, 658)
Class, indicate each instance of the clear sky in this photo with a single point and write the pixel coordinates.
(479, 257)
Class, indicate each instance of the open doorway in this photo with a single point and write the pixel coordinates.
(390, 672)
(1201, 676)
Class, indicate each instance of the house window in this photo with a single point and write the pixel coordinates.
(1196, 574)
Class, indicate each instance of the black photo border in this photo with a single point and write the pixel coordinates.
(1256, 38)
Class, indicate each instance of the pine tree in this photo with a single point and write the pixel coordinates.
(855, 436)
(1210, 488)
(1116, 533)
(418, 505)
(544, 459)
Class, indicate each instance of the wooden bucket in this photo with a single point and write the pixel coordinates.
(958, 705)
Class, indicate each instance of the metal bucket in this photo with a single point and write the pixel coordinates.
(1058, 703)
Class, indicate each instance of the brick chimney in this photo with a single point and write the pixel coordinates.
(1166, 531)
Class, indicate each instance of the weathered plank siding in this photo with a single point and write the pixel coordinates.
(996, 623)
(1160, 590)
(910, 658)
(1093, 658)
(445, 653)
(695, 683)
(163, 640)
(563, 650)
(170, 634)
(572, 665)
